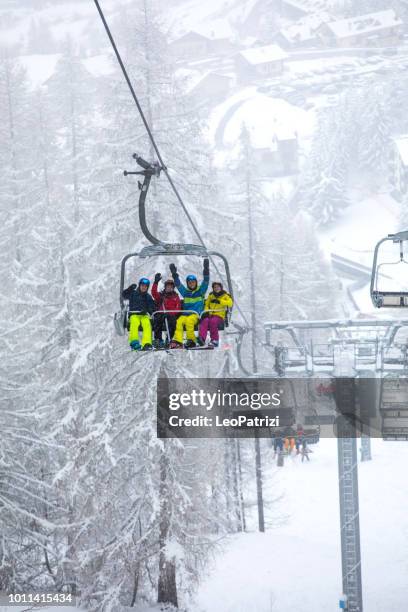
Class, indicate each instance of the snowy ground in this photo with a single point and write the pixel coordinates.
(349, 237)
(297, 565)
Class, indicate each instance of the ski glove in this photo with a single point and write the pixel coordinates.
(173, 269)
(206, 268)
(216, 301)
(157, 277)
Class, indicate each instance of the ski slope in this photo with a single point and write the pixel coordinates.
(297, 565)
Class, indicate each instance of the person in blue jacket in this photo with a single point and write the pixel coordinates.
(141, 306)
(193, 305)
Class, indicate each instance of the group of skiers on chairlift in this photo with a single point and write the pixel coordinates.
(164, 311)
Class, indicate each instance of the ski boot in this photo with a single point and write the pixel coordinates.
(175, 345)
(158, 344)
(200, 341)
(214, 343)
(135, 345)
(147, 347)
(190, 344)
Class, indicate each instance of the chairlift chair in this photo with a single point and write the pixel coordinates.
(157, 248)
(384, 298)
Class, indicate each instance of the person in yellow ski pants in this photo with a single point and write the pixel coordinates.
(142, 320)
(188, 323)
(141, 305)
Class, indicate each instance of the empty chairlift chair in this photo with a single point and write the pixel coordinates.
(389, 278)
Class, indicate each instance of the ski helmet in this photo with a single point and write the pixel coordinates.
(169, 281)
(144, 281)
(191, 278)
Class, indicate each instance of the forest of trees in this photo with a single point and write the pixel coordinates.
(91, 502)
(353, 143)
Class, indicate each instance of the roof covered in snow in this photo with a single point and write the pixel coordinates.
(402, 146)
(305, 28)
(364, 24)
(264, 55)
(190, 36)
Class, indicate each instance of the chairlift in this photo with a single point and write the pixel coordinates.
(384, 298)
(149, 170)
(157, 248)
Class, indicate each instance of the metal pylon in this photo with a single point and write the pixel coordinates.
(348, 494)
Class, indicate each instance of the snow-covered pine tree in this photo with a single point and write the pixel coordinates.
(323, 190)
(375, 133)
(24, 489)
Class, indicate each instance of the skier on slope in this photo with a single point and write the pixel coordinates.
(216, 305)
(277, 446)
(141, 306)
(305, 451)
(166, 300)
(193, 302)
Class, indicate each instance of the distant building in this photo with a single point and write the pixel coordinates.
(213, 86)
(190, 45)
(401, 164)
(193, 45)
(260, 62)
(375, 29)
(279, 156)
(303, 33)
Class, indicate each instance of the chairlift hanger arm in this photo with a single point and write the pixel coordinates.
(149, 170)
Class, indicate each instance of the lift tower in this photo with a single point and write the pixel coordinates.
(346, 402)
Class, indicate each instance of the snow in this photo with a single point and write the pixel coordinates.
(99, 65)
(372, 22)
(217, 28)
(297, 565)
(39, 67)
(266, 118)
(305, 29)
(349, 237)
(402, 146)
(190, 78)
(264, 55)
(204, 17)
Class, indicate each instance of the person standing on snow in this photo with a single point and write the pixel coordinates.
(141, 306)
(305, 451)
(166, 300)
(193, 305)
(216, 305)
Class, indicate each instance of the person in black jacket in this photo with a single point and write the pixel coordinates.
(141, 305)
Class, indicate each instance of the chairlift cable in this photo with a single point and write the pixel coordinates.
(145, 122)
